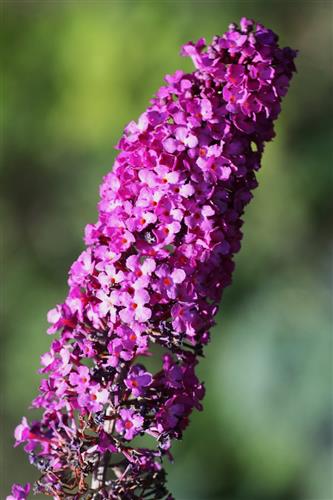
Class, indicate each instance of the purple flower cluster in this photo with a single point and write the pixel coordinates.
(153, 272)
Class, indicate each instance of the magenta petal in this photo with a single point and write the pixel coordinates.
(170, 145)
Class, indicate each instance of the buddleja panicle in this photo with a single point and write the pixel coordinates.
(153, 272)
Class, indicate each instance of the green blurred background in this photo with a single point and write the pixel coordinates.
(74, 73)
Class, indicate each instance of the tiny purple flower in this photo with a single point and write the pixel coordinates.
(138, 379)
(80, 379)
(19, 492)
(129, 424)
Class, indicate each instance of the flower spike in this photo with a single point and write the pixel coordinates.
(155, 266)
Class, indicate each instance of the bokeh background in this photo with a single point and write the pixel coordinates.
(73, 74)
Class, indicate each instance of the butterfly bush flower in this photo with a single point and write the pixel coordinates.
(19, 492)
(137, 380)
(129, 424)
(154, 270)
